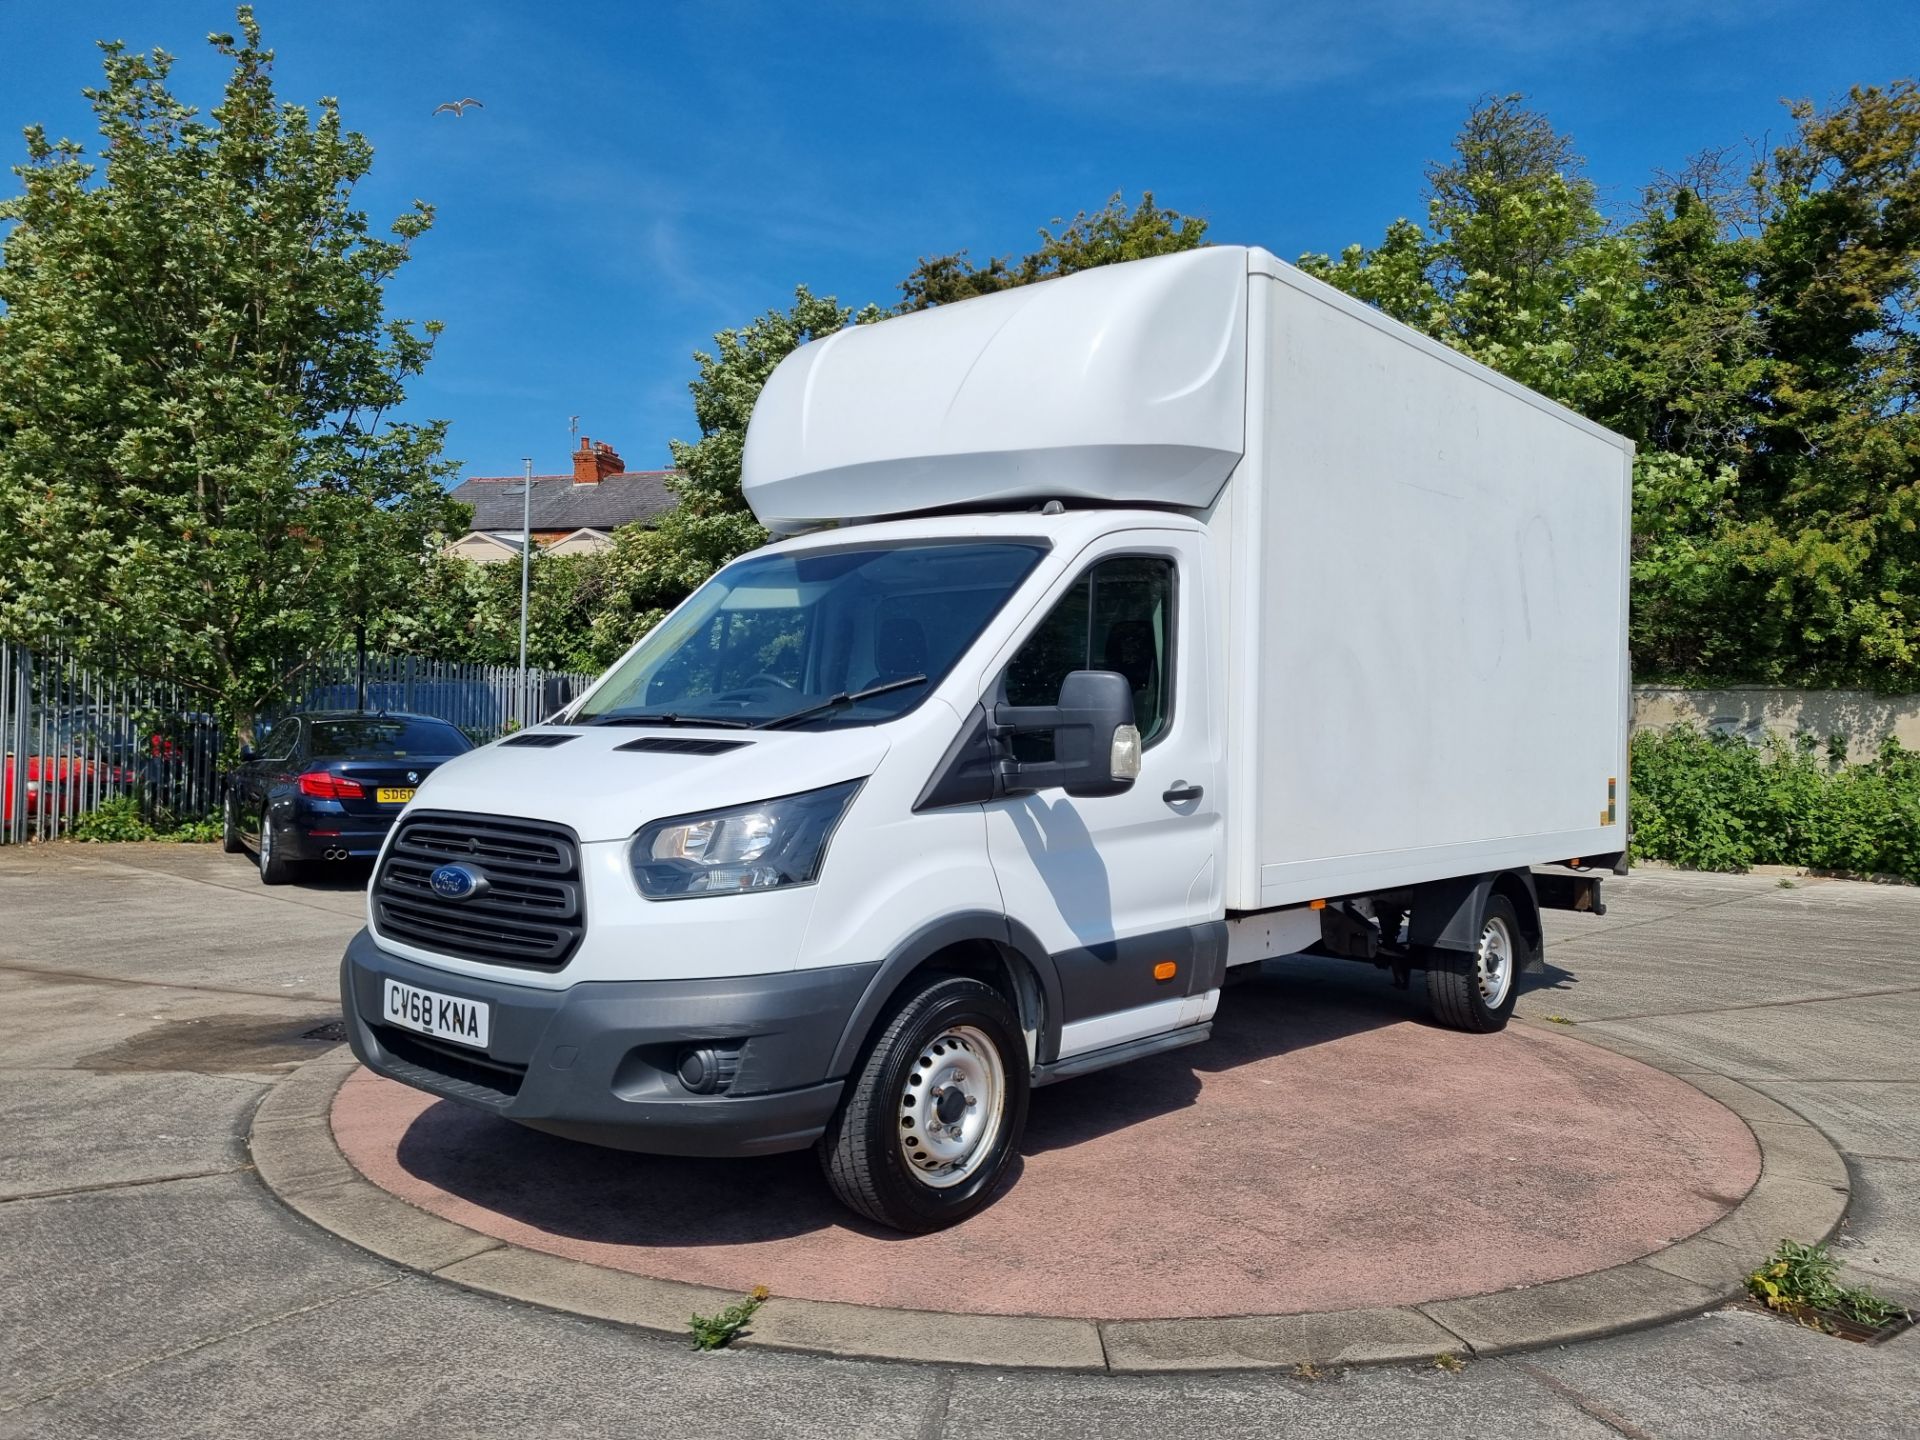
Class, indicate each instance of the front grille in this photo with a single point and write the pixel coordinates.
(530, 912)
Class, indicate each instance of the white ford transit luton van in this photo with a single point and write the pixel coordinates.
(1133, 626)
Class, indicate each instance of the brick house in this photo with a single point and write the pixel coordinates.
(571, 514)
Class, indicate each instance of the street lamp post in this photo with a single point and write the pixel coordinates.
(526, 565)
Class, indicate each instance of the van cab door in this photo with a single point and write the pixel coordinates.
(1123, 891)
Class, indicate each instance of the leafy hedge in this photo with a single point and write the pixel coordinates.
(119, 820)
(1718, 803)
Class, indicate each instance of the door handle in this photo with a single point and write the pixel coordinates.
(1181, 791)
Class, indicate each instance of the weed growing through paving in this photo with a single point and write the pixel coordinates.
(1307, 1370)
(1798, 1280)
(715, 1332)
(1448, 1362)
(1784, 884)
(1558, 1020)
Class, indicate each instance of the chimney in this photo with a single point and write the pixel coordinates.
(593, 463)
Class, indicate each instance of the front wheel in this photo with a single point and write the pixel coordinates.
(1475, 991)
(934, 1115)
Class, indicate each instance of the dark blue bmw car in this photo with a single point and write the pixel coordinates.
(327, 785)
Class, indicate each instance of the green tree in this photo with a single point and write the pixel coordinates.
(648, 571)
(200, 473)
(1109, 235)
(469, 612)
(1516, 265)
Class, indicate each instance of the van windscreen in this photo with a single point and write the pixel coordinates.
(771, 634)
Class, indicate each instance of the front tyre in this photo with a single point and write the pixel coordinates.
(1475, 991)
(934, 1115)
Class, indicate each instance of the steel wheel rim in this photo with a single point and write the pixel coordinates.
(952, 1106)
(1493, 963)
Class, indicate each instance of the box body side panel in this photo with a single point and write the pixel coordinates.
(1438, 612)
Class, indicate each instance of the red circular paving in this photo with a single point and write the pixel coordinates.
(1328, 1149)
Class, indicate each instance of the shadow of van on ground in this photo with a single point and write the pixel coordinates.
(612, 1197)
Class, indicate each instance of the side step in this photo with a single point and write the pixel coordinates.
(1139, 1049)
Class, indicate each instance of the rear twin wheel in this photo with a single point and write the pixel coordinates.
(934, 1114)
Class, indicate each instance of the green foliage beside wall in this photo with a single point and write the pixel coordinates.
(1718, 803)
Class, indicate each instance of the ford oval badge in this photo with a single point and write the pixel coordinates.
(456, 882)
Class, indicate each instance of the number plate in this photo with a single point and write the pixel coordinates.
(392, 797)
(465, 1022)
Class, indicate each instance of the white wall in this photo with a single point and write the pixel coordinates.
(1754, 712)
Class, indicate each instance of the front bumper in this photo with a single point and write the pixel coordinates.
(596, 1061)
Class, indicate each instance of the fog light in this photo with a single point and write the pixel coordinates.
(707, 1069)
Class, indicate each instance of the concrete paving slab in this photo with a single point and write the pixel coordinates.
(568, 1285)
(1705, 1261)
(925, 1337)
(1801, 1152)
(1781, 1207)
(1581, 1308)
(1882, 1233)
(71, 1130)
(308, 1093)
(1861, 1117)
(1839, 1038)
(175, 924)
(84, 1022)
(1822, 939)
(1346, 1337)
(294, 1157)
(419, 1360)
(1740, 1372)
(1749, 1102)
(369, 1217)
(1482, 1402)
(94, 1282)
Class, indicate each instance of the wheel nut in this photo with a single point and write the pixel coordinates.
(972, 1100)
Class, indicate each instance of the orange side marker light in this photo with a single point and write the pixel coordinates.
(1164, 970)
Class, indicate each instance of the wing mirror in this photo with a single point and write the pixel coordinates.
(246, 755)
(1096, 749)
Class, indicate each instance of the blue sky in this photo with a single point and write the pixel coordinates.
(643, 174)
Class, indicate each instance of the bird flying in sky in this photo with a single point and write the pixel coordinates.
(458, 107)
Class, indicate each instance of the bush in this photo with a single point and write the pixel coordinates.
(111, 821)
(1712, 802)
(119, 819)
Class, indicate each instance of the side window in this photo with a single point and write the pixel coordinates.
(280, 743)
(1118, 616)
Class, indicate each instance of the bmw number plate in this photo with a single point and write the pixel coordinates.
(463, 1021)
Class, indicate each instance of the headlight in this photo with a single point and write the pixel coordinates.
(750, 847)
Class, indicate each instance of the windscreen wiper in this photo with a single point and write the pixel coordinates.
(838, 702)
(670, 719)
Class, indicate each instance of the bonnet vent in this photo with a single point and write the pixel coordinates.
(539, 739)
(682, 745)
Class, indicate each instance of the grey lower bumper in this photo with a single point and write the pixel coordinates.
(596, 1061)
